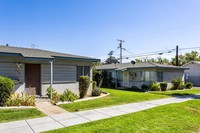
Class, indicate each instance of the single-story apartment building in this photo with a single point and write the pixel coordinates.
(193, 74)
(136, 74)
(35, 69)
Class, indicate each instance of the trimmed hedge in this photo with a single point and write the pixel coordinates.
(163, 86)
(96, 91)
(94, 84)
(84, 83)
(177, 84)
(188, 85)
(6, 88)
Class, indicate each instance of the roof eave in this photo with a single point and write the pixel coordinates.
(10, 54)
(38, 58)
(79, 59)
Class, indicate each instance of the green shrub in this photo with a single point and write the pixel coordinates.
(84, 83)
(49, 92)
(163, 86)
(27, 100)
(177, 84)
(188, 85)
(145, 88)
(94, 84)
(68, 96)
(55, 98)
(55, 95)
(6, 88)
(14, 100)
(96, 91)
(154, 86)
(23, 100)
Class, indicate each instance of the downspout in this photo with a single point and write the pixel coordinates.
(115, 79)
(51, 81)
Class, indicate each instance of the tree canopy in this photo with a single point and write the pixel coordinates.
(182, 59)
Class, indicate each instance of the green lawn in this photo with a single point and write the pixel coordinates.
(7, 115)
(172, 118)
(117, 97)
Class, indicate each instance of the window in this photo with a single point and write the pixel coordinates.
(86, 71)
(142, 76)
(83, 71)
(160, 76)
(186, 76)
(147, 76)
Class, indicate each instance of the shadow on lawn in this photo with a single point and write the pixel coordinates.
(179, 95)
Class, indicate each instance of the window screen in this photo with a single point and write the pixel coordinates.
(79, 71)
(160, 76)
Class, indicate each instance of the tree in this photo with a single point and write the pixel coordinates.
(159, 60)
(97, 74)
(187, 57)
(111, 60)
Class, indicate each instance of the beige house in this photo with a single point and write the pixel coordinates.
(128, 74)
(36, 69)
(193, 74)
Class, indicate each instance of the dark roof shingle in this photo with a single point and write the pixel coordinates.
(123, 66)
(38, 53)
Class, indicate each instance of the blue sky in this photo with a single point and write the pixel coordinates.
(91, 27)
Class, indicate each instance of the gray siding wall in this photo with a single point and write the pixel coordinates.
(9, 69)
(169, 76)
(193, 74)
(12, 71)
(61, 73)
(64, 76)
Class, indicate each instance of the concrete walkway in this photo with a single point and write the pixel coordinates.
(49, 109)
(68, 119)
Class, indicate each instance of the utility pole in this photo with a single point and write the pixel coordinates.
(177, 55)
(110, 56)
(120, 46)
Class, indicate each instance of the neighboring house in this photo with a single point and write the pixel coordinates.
(128, 74)
(193, 74)
(31, 69)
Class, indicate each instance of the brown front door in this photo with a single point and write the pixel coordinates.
(32, 77)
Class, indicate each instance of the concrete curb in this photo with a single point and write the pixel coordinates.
(18, 107)
(85, 99)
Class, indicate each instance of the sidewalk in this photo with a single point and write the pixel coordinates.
(68, 119)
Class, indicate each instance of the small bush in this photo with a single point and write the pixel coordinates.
(163, 86)
(27, 100)
(23, 100)
(55, 98)
(49, 92)
(96, 91)
(84, 83)
(177, 84)
(14, 100)
(154, 86)
(6, 88)
(55, 95)
(94, 84)
(68, 96)
(188, 85)
(145, 88)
